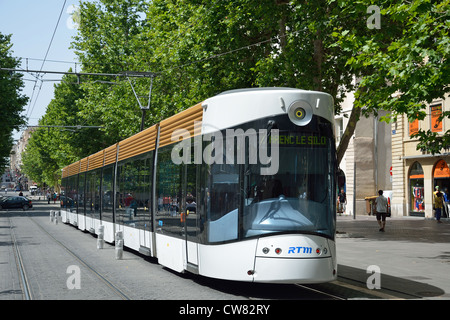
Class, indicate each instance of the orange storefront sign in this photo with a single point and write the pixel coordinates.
(414, 127)
(436, 112)
(441, 170)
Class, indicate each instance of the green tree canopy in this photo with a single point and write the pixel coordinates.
(409, 59)
(51, 148)
(393, 55)
(12, 101)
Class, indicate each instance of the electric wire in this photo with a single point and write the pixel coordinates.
(43, 62)
(166, 70)
(214, 56)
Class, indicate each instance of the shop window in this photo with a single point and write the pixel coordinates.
(441, 177)
(417, 195)
(441, 170)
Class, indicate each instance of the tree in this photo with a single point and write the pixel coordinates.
(107, 42)
(200, 48)
(51, 148)
(12, 102)
(408, 60)
(401, 62)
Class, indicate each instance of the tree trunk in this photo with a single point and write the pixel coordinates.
(318, 60)
(282, 23)
(348, 133)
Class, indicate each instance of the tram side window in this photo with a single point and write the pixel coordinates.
(223, 202)
(71, 192)
(133, 191)
(81, 193)
(168, 191)
(63, 192)
(107, 193)
(92, 193)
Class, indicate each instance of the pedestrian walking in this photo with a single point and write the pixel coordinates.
(342, 201)
(447, 202)
(438, 203)
(382, 209)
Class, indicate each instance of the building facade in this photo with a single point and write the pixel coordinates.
(17, 177)
(366, 166)
(384, 156)
(416, 173)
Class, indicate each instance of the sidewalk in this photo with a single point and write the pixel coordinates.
(413, 254)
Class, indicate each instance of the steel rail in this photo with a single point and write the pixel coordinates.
(108, 283)
(26, 290)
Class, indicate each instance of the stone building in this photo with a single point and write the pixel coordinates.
(416, 173)
(385, 157)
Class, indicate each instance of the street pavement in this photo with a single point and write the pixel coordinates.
(412, 259)
(412, 255)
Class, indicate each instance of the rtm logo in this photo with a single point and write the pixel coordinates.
(299, 249)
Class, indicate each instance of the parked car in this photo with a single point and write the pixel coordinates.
(14, 202)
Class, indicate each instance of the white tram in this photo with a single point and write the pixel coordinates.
(241, 186)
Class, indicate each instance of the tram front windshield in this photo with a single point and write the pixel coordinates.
(300, 196)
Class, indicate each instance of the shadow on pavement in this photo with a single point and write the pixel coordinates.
(393, 286)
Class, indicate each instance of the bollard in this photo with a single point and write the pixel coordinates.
(119, 245)
(56, 217)
(100, 237)
(51, 215)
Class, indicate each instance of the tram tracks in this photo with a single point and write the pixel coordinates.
(27, 286)
(21, 265)
(320, 292)
(342, 289)
(24, 284)
(102, 278)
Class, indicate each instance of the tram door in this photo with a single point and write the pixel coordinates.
(189, 215)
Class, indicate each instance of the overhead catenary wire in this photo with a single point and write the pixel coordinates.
(140, 74)
(153, 74)
(218, 55)
(43, 62)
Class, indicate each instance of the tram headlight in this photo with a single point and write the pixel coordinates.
(300, 112)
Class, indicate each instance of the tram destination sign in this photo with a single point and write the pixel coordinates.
(298, 140)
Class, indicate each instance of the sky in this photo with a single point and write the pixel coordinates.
(32, 24)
